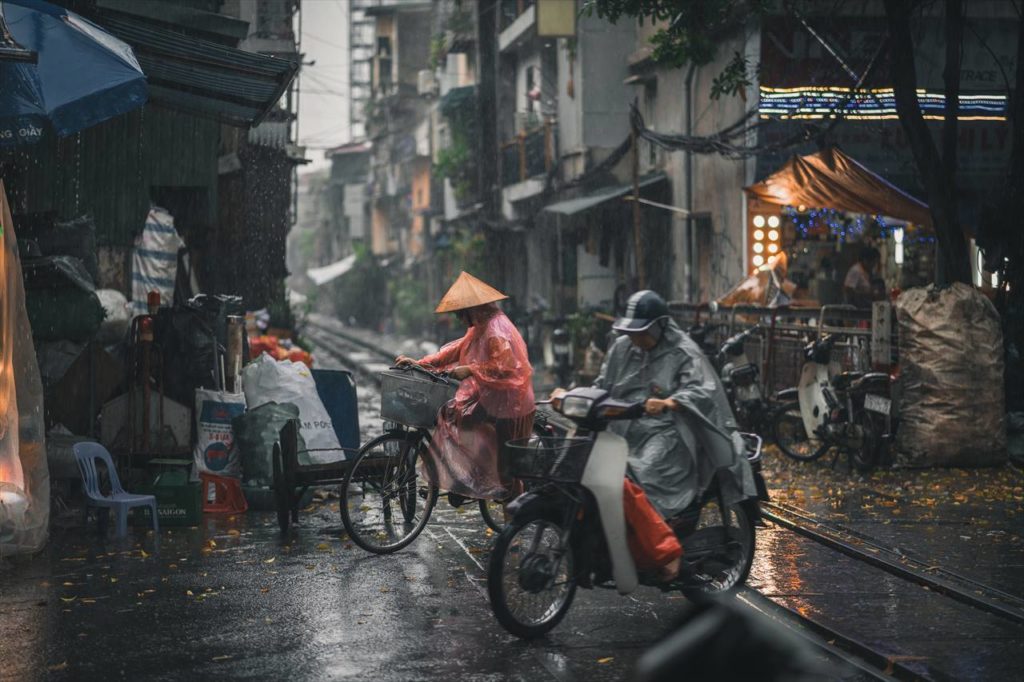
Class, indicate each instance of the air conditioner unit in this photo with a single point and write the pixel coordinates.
(426, 83)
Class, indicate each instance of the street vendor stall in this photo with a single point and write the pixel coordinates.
(821, 209)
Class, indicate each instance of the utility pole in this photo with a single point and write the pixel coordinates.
(487, 44)
(637, 236)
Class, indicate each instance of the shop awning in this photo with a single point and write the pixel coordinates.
(333, 271)
(831, 179)
(571, 207)
(202, 77)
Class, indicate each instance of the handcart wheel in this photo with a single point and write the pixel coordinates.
(384, 503)
(282, 495)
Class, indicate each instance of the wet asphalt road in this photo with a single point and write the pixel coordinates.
(234, 599)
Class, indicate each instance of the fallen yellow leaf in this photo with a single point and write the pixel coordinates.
(144, 553)
(323, 546)
(608, 659)
(270, 560)
(68, 600)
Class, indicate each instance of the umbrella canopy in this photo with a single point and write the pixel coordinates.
(83, 76)
(831, 179)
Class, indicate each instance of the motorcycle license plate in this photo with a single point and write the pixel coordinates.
(877, 403)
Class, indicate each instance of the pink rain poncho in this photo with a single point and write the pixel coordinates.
(492, 406)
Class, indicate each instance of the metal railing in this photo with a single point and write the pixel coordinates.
(530, 154)
(778, 346)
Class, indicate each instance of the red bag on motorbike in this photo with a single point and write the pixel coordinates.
(651, 542)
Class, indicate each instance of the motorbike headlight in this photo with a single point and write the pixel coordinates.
(576, 406)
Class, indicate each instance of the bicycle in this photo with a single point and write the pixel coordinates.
(385, 502)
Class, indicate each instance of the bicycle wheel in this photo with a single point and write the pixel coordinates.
(493, 512)
(383, 504)
(791, 436)
(530, 576)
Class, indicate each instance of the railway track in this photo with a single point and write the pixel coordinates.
(867, 660)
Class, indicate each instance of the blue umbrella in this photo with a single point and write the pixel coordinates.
(83, 75)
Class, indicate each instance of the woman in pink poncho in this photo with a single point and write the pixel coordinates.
(494, 402)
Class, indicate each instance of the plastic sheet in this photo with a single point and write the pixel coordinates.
(493, 405)
(951, 379)
(24, 476)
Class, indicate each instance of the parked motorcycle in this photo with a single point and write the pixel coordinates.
(851, 412)
(570, 531)
(740, 378)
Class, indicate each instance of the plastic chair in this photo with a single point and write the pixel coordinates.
(227, 494)
(86, 454)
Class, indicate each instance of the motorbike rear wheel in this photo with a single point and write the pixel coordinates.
(791, 436)
(720, 565)
(530, 576)
(866, 457)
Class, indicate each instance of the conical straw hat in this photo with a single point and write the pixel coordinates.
(468, 292)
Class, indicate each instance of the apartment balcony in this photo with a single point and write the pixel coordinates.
(531, 154)
(518, 23)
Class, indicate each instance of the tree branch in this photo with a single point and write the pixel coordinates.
(952, 262)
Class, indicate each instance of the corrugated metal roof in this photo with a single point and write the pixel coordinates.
(202, 77)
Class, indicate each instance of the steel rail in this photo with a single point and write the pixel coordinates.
(892, 562)
(851, 651)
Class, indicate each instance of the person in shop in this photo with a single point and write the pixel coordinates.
(494, 402)
(862, 285)
(686, 437)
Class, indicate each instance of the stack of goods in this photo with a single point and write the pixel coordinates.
(278, 348)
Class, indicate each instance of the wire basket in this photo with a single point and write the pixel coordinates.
(412, 398)
(552, 458)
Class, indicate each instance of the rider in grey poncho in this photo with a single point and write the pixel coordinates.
(673, 452)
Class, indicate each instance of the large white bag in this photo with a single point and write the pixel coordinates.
(215, 450)
(282, 381)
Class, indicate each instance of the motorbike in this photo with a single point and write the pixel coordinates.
(851, 412)
(569, 529)
(740, 378)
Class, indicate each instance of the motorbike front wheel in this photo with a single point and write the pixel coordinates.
(530, 576)
(720, 550)
(791, 436)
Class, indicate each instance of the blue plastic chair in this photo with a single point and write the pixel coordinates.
(87, 454)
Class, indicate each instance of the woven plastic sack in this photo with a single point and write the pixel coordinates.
(155, 259)
(951, 403)
(24, 475)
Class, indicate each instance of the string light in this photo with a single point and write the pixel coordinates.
(817, 102)
(758, 235)
(759, 221)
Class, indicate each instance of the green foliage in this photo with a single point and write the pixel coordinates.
(361, 293)
(470, 251)
(733, 80)
(438, 50)
(412, 312)
(461, 22)
(694, 31)
(455, 163)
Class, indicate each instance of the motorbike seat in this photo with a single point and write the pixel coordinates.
(846, 379)
(869, 380)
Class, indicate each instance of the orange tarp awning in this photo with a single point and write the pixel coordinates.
(831, 179)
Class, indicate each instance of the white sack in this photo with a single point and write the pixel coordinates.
(265, 380)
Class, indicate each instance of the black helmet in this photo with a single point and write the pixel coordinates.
(643, 309)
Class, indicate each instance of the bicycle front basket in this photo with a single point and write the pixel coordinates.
(413, 399)
(551, 458)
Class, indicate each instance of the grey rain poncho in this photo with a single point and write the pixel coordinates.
(674, 455)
